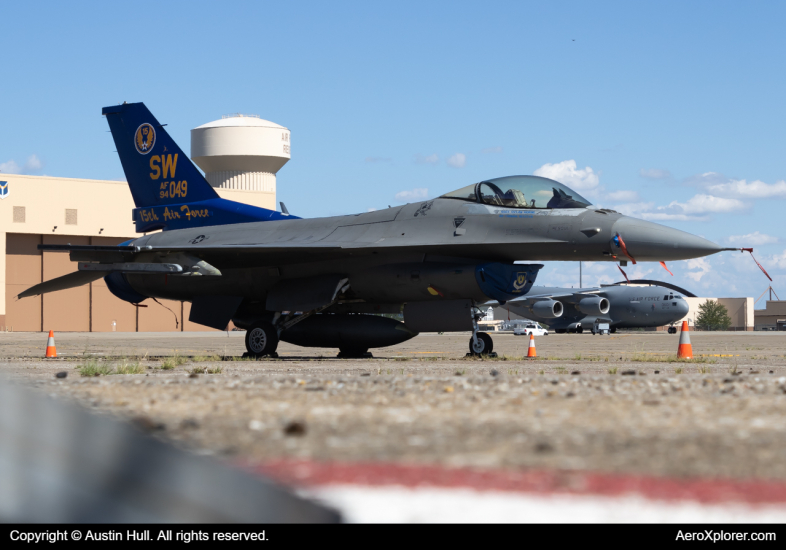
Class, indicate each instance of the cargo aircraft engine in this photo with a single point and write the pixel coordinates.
(594, 306)
(550, 309)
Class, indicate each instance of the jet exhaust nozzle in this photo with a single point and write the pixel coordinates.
(594, 306)
(548, 309)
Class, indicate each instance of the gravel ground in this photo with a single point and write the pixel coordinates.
(616, 403)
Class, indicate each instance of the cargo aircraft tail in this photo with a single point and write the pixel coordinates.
(168, 190)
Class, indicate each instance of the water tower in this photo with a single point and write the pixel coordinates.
(241, 152)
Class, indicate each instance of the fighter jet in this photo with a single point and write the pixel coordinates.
(619, 305)
(306, 281)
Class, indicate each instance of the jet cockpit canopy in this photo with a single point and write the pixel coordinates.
(520, 192)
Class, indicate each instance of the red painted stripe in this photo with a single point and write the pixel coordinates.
(308, 473)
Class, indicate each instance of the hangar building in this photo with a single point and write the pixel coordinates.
(240, 155)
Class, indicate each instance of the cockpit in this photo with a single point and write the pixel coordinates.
(520, 192)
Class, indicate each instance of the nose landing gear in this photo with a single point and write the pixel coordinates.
(480, 343)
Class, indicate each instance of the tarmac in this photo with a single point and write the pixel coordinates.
(617, 405)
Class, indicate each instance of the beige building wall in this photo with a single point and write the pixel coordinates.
(48, 210)
(740, 310)
(775, 310)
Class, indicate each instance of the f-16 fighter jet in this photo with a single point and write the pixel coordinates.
(305, 281)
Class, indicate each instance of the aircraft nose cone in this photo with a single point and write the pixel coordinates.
(652, 242)
(682, 308)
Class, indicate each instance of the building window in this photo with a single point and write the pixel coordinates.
(19, 214)
(70, 216)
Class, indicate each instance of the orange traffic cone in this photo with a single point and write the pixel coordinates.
(685, 350)
(531, 351)
(50, 345)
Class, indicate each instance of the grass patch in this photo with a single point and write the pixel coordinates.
(613, 370)
(92, 367)
(198, 370)
(214, 370)
(175, 361)
(704, 370)
(127, 367)
(678, 370)
(401, 358)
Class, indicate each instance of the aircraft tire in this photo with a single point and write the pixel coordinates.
(579, 330)
(560, 331)
(261, 339)
(484, 347)
(612, 330)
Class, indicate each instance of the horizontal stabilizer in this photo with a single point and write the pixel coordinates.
(72, 280)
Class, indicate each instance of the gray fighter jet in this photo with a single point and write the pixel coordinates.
(306, 281)
(619, 305)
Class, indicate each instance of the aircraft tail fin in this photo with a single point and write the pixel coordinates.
(168, 189)
(158, 171)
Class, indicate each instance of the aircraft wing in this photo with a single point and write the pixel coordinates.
(568, 296)
(229, 255)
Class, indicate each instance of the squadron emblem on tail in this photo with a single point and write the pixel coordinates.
(144, 139)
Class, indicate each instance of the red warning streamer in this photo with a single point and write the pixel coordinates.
(625, 249)
(666, 268)
(757, 262)
(623, 273)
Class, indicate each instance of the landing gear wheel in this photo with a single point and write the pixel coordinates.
(672, 330)
(484, 346)
(560, 331)
(261, 339)
(579, 330)
(612, 330)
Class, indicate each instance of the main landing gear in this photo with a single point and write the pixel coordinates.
(261, 340)
(672, 330)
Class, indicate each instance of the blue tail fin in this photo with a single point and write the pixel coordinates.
(168, 190)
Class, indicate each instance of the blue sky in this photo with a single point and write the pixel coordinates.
(671, 111)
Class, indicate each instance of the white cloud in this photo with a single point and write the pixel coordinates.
(457, 160)
(430, 159)
(702, 204)
(778, 260)
(418, 194)
(32, 164)
(640, 273)
(720, 185)
(491, 150)
(696, 208)
(582, 180)
(752, 239)
(622, 196)
(700, 264)
(753, 190)
(10, 167)
(654, 174)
